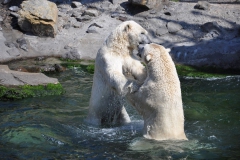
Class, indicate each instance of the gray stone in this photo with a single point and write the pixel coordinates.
(66, 26)
(161, 31)
(149, 3)
(203, 5)
(114, 15)
(73, 54)
(114, 1)
(96, 25)
(13, 52)
(14, 14)
(39, 17)
(76, 14)
(14, 8)
(76, 4)
(84, 18)
(211, 26)
(23, 44)
(1, 19)
(91, 12)
(92, 29)
(218, 53)
(173, 27)
(6, 1)
(11, 45)
(77, 25)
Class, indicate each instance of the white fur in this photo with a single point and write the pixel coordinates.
(115, 70)
(159, 99)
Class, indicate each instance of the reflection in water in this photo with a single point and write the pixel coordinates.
(53, 127)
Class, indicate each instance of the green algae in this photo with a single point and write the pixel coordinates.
(182, 70)
(25, 91)
(204, 72)
(85, 65)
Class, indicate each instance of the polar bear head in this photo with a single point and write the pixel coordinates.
(127, 36)
(148, 52)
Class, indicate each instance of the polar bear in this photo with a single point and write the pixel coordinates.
(115, 71)
(159, 99)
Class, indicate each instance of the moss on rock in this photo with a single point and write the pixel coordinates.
(203, 72)
(25, 91)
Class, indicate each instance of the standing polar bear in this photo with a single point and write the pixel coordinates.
(159, 99)
(115, 71)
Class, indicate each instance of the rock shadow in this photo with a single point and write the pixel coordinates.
(133, 9)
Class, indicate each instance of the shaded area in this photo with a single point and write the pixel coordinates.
(212, 1)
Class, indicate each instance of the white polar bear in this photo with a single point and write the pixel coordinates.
(159, 99)
(113, 64)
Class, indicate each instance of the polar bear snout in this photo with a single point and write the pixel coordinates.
(140, 50)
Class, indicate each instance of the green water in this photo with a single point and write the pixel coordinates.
(53, 127)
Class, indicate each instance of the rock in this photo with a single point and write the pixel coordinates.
(1, 19)
(0, 28)
(96, 25)
(14, 8)
(161, 31)
(168, 13)
(72, 54)
(211, 26)
(39, 17)
(13, 52)
(66, 26)
(84, 18)
(217, 53)
(121, 18)
(14, 78)
(114, 1)
(14, 14)
(212, 30)
(91, 12)
(6, 1)
(114, 15)
(11, 45)
(203, 5)
(77, 25)
(59, 68)
(173, 27)
(76, 14)
(149, 3)
(92, 29)
(76, 4)
(64, 8)
(71, 20)
(22, 42)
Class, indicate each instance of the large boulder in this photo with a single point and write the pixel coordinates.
(149, 3)
(38, 17)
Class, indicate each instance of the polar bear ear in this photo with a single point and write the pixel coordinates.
(168, 50)
(148, 57)
(127, 27)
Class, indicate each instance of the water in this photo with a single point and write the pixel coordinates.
(53, 127)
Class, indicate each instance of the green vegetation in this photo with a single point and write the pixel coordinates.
(203, 72)
(20, 92)
(183, 70)
(87, 66)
